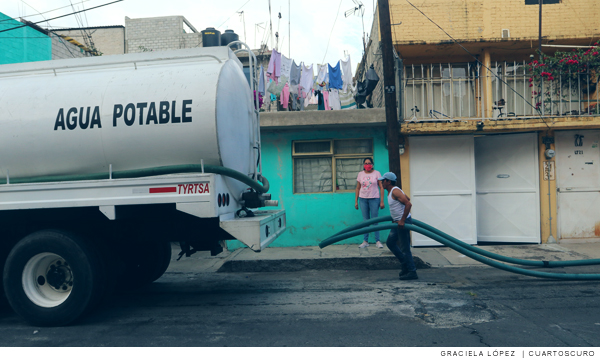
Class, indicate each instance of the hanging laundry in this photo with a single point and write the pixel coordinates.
(306, 78)
(347, 75)
(286, 66)
(334, 100)
(335, 76)
(261, 81)
(284, 97)
(347, 100)
(314, 99)
(260, 100)
(295, 72)
(326, 100)
(274, 69)
(319, 96)
(321, 74)
(372, 80)
(275, 88)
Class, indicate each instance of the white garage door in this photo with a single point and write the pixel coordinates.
(578, 183)
(442, 182)
(507, 173)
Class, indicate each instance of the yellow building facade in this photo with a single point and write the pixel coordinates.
(465, 74)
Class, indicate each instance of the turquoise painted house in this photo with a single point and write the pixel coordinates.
(312, 170)
(23, 44)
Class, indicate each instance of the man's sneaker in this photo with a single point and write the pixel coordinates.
(379, 244)
(411, 275)
(403, 272)
(363, 245)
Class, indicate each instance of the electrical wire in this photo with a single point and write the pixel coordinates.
(58, 17)
(45, 12)
(232, 14)
(330, 33)
(483, 65)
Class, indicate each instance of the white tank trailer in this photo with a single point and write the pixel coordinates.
(105, 161)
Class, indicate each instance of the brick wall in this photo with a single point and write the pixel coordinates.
(23, 44)
(157, 34)
(484, 20)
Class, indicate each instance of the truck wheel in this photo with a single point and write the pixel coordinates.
(51, 278)
(146, 264)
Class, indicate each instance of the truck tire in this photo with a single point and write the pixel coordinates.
(52, 278)
(146, 264)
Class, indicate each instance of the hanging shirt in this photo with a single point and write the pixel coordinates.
(334, 100)
(306, 78)
(335, 76)
(295, 72)
(286, 66)
(261, 81)
(347, 75)
(274, 69)
(321, 74)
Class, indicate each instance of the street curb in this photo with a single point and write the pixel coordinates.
(288, 265)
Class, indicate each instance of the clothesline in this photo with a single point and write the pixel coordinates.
(331, 89)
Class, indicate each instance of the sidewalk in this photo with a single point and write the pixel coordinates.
(350, 257)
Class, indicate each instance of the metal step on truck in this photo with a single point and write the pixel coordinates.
(105, 161)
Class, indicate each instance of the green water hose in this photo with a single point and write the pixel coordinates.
(162, 170)
(462, 250)
(537, 263)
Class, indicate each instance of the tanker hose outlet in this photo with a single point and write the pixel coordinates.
(264, 181)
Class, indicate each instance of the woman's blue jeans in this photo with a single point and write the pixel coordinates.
(370, 210)
(399, 244)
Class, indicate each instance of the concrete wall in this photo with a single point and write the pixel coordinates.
(107, 40)
(23, 44)
(484, 20)
(62, 49)
(159, 33)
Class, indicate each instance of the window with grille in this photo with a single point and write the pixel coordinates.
(328, 165)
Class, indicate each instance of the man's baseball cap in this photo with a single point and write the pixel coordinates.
(388, 176)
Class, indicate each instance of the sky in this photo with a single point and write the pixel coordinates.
(316, 35)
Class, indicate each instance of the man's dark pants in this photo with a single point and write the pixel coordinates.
(399, 244)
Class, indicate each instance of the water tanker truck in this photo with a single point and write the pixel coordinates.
(105, 161)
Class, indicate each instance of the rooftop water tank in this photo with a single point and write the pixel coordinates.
(211, 37)
(228, 37)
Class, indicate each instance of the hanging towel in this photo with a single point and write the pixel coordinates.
(335, 76)
(326, 100)
(286, 66)
(276, 88)
(347, 75)
(284, 98)
(347, 100)
(274, 69)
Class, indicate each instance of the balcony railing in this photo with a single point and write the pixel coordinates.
(451, 92)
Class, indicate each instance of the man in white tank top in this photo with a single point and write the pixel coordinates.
(399, 239)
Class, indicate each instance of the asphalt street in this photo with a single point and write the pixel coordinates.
(456, 306)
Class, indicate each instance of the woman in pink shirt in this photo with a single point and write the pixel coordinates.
(370, 192)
